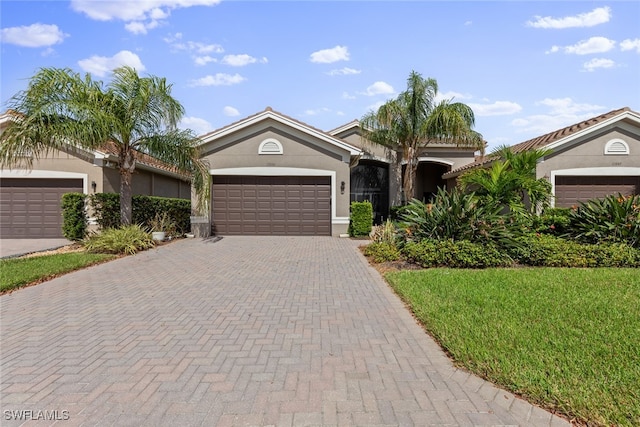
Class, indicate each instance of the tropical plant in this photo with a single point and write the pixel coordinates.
(414, 120)
(61, 109)
(384, 233)
(125, 240)
(511, 181)
(457, 216)
(616, 218)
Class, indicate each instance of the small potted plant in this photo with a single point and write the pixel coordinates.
(159, 226)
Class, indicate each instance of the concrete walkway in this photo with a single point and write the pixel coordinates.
(245, 331)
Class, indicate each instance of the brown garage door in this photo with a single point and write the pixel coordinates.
(271, 205)
(30, 207)
(570, 190)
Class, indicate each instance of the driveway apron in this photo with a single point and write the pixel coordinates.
(246, 331)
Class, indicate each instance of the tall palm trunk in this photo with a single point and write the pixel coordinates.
(410, 173)
(126, 173)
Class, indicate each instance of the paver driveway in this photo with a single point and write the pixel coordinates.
(243, 331)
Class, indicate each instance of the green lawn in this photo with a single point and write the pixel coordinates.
(566, 339)
(18, 272)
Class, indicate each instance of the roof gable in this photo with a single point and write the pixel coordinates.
(270, 114)
(559, 138)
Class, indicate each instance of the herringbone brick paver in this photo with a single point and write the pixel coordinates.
(281, 331)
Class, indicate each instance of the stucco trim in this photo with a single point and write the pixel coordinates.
(25, 173)
(285, 171)
(432, 160)
(597, 171)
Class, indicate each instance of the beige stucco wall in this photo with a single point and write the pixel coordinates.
(301, 151)
(148, 183)
(589, 152)
(58, 163)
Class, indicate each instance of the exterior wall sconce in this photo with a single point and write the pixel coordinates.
(94, 186)
(342, 187)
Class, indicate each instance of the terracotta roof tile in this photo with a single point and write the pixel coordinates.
(543, 140)
(143, 158)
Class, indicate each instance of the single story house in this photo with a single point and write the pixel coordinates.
(587, 160)
(30, 199)
(272, 174)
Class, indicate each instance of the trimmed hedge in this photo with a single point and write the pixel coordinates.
(382, 252)
(144, 209)
(551, 251)
(74, 220)
(455, 254)
(361, 219)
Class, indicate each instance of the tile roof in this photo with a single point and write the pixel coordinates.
(542, 141)
(144, 159)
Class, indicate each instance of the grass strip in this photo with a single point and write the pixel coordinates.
(18, 272)
(566, 339)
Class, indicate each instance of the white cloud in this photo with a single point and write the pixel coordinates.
(102, 65)
(597, 16)
(344, 72)
(230, 111)
(241, 60)
(140, 16)
(196, 124)
(347, 95)
(562, 112)
(34, 35)
(327, 56)
(586, 47)
(598, 63)
(497, 108)
(379, 88)
(629, 44)
(203, 60)
(317, 111)
(219, 79)
(455, 96)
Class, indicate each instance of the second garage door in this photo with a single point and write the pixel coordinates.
(570, 190)
(271, 205)
(30, 208)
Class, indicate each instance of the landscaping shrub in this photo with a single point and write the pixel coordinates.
(455, 254)
(382, 252)
(554, 221)
(126, 240)
(144, 210)
(74, 220)
(458, 216)
(615, 218)
(386, 232)
(361, 219)
(552, 251)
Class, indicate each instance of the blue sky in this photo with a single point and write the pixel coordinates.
(526, 68)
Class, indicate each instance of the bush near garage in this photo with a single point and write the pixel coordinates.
(361, 221)
(551, 251)
(615, 218)
(430, 253)
(145, 208)
(74, 220)
(125, 240)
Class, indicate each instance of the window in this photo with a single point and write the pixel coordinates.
(616, 147)
(270, 146)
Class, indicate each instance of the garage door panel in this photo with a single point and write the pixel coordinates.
(31, 207)
(278, 205)
(571, 190)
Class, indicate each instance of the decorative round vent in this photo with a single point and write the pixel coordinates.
(616, 146)
(270, 146)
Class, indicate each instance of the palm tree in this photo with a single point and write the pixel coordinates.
(61, 108)
(414, 120)
(511, 180)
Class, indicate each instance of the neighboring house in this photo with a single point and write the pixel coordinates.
(272, 174)
(30, 199)
(591, 159)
